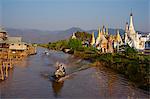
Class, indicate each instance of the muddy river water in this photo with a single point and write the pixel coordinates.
(30, 80)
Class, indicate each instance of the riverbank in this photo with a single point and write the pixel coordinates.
(132, 65)
(134, 69)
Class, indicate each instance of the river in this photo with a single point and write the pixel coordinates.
(29, 79)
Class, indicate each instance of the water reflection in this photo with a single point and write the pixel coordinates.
(24, 63)
(57, 86)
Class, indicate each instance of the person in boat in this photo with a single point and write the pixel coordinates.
(46, 53)
(60, 72)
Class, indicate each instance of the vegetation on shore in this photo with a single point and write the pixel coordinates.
(130, 63)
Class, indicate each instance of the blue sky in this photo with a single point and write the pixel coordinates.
(0, 12)
(63, 14)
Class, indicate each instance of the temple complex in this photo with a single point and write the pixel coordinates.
(107, 43)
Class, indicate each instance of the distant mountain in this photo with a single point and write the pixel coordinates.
(33, 36)
(40, 36)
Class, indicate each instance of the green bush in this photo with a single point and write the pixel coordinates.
(83, 36)
(75, 44)
(130, 51)
(59, 45)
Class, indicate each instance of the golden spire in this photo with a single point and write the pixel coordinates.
(107, 31)
(93, 39)
(98, 36)
(99, 31)
(118, 37)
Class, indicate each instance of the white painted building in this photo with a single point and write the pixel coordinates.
(73, 36)
(132, 38)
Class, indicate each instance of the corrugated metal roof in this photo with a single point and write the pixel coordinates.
(13, 39)
(2, 30)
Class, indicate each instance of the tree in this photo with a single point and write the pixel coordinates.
(75, 44)
(130, 51)
(84, 36)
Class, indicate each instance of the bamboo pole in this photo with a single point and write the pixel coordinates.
(10, 59)
(1, 70)
(6, 69)
(10, 63)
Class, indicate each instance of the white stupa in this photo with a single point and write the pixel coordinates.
(131, 37)
(73, 36)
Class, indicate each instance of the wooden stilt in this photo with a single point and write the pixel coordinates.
(10, 63)
(2, 73)
(6, 69)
